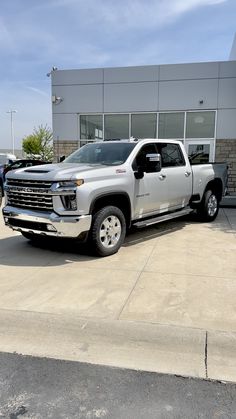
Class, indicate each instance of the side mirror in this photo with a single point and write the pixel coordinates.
(62, 158)
(153, 163)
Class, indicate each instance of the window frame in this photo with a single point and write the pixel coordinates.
(184, 139)
(181, 154)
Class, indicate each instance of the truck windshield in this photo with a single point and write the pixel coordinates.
(107, 153)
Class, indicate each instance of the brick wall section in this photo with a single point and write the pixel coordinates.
(226, 151)
(64, 148)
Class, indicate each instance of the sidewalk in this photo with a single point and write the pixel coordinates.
(165, 302)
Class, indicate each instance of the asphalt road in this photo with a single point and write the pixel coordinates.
(38, 388)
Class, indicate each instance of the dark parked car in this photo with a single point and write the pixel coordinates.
(13, 165)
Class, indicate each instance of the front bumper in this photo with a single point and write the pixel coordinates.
(49, 224)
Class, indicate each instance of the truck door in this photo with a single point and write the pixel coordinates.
(175, 177)
(148, 191)
(169, 189)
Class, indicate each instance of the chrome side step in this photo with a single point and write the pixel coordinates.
(161, 218)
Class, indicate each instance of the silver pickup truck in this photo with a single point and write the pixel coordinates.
(104, 188)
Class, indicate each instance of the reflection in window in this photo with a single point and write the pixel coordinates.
(144, 125)
(91, 127)
(200, 125)
(116, 126)
(171, 125)
(171, 155)
(199, 153)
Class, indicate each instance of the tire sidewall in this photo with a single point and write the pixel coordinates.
(98, 219)
(204, 214)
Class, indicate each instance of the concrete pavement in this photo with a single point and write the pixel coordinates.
(165, 302)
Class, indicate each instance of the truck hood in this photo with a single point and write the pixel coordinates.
(60, 171)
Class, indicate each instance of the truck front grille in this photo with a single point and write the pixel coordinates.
(29, 194)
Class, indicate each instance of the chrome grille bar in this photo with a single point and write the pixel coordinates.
(33, 194)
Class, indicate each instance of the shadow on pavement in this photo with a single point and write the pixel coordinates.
(17, 251)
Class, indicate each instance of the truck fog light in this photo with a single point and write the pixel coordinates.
(69, 202)
(6, 219)
(73, 204)
(50, 227)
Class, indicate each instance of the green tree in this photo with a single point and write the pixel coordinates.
(39, 143)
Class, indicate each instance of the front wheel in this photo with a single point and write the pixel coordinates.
(108, 231)
(209, 206)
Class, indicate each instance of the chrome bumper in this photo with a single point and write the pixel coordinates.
(49, 224)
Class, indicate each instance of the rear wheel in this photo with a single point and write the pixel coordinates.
(108, 231)
(209, 206)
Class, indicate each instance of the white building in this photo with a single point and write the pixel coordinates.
(195, 103)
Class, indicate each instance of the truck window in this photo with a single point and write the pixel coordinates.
(105, 153)
(171, 155)
(140, 159)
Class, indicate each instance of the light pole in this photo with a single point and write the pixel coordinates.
(11, 111)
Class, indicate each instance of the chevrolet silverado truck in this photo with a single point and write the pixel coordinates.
(102, 189)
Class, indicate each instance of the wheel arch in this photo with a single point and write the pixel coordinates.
(120, 200)
(216, 186)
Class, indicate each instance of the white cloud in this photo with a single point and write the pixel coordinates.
(151, 13)
(38, 91)
(125, 14)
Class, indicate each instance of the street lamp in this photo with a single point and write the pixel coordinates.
(11, 111)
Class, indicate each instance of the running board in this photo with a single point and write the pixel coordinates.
(160, 218)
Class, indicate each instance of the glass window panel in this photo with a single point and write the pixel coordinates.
(171, 125)
(171, 155)
(91, 127)
(200, 125)
(116, 126)
(199, 153)
(144, 125)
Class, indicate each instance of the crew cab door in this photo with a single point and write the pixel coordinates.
(169, 189)
(175, 177)
(146, 199)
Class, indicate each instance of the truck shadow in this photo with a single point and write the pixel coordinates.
(17, 251)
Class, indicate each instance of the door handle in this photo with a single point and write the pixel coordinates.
(187, 174)
(162, 177)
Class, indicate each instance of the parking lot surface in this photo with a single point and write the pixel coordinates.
(165, 302)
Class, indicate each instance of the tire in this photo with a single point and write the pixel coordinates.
(108, 231)
(209, 207)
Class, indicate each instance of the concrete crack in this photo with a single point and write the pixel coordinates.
(206, 354)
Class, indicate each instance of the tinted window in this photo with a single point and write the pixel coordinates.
(171, 155)
(171, 125)
(91, 127)
(200, 125)
(199, 153)
(144, 125)
(140, 160)
(116, 126)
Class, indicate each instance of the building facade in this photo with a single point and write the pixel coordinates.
(195, 103)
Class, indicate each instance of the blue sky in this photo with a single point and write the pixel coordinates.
(38, 34)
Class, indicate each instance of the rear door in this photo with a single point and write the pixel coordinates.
(175, 176)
